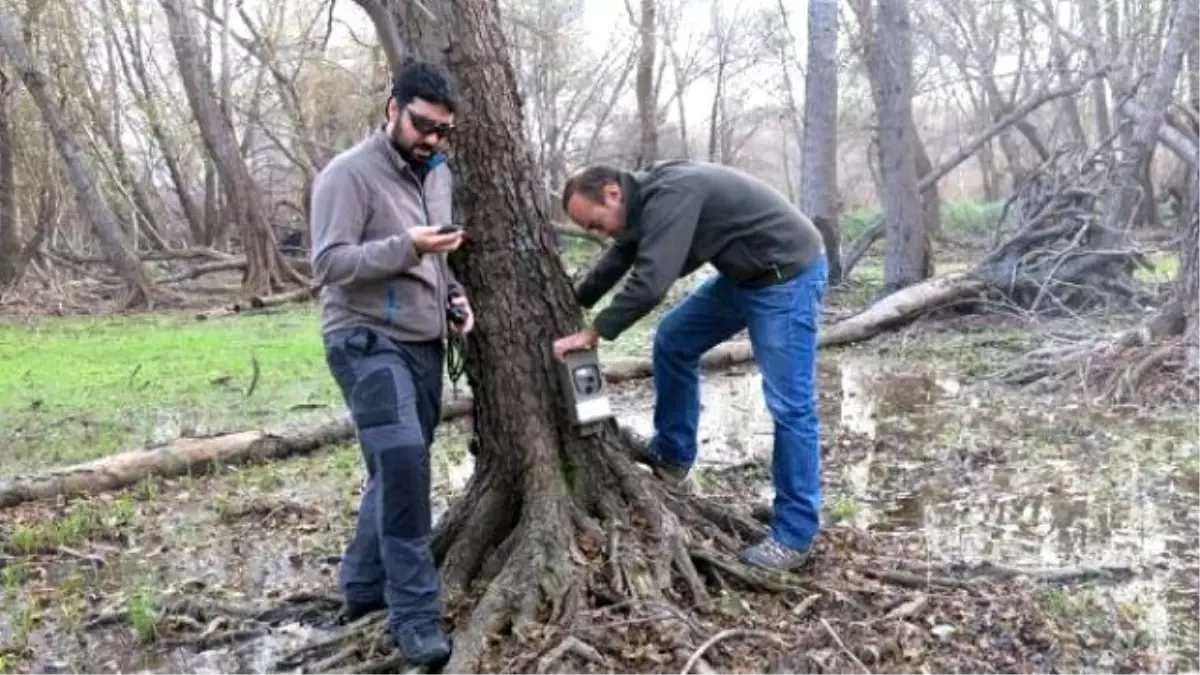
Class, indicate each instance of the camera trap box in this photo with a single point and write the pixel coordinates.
(583, 385)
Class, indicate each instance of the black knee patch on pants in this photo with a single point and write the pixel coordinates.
(375, 401)
(404, 483)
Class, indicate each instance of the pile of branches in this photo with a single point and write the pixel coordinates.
(1158, 359)
(1055, 255)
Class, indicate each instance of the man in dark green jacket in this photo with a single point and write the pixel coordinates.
(668, 220)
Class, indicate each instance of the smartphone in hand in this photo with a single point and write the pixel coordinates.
(450, 229)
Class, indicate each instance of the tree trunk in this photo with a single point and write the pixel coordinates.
(646, 100)
(1193, 81)
(1187, 282)
(104, 224)
(818, 163)
(1129, 180)
(541, 488)
(267, 269)
(1089, 11)
(987, 172)
(906, 259)
(931, 199)
(10, 238)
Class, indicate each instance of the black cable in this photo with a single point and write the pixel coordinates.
(456, 345)
(456, 360)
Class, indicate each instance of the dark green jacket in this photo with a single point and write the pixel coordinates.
(681, 214)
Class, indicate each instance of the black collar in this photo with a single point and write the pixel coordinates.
(631, 194)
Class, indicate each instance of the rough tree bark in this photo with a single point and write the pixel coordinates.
(1131, 193)
(907, 255)
(104, 224)
(267, 270)
(543, 493)
(1193, 80)
(10, 238)
(646, 100)
(818, 163)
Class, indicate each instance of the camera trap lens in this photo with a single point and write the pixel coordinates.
(587, 380)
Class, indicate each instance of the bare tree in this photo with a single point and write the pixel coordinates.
(908, 258)
(266, 268)
(818, 164)
(117, 249)
(647, 92)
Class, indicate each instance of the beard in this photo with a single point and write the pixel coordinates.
(415, 154)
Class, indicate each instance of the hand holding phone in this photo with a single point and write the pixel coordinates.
(436, 239)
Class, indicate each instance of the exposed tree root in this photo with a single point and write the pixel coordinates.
(184, 618)
(634, 575)
(621, 539)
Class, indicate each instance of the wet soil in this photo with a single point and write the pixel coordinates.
(927, 475)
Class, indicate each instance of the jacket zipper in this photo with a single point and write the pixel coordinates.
(441, 296)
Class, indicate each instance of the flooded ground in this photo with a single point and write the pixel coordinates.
(970, 472)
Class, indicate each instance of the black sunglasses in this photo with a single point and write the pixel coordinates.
(426, 126)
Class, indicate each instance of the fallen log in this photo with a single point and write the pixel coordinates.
(180, 457)
(258, 302)
(903, 306)
(190, 455)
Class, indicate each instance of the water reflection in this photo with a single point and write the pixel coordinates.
(734, 425)
(977, 474)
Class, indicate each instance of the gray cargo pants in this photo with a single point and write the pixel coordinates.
(394, 392)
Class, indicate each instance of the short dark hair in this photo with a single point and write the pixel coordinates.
(421, 79)
(589, 182)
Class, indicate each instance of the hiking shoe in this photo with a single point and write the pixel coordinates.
(353, 611)
(667, 472)
(771, 554)
(423, 645)
(643, 453)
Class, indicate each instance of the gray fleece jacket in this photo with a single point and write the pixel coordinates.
(363, 203)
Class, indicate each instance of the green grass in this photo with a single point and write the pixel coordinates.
(76, 389)
(958, 218)
(1166, 266)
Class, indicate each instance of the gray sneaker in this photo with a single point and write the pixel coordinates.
(771, 554)
(643, 453)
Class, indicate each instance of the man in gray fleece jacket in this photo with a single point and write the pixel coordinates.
(386, 288)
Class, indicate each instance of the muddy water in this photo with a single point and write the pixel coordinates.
(974, 474)
(969, 473)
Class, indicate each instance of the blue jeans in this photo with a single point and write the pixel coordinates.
(394, 393)
(782, 322)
